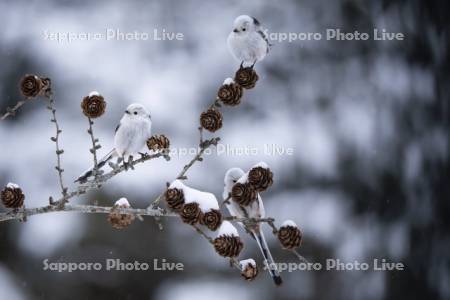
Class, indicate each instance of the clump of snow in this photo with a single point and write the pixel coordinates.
(227, 229)
(245, 262)
(261, 164)
(177, 184)
(94, 93)
(12, 185)
(205, 200)
(228, 81)
(289, 223)
(122, 202)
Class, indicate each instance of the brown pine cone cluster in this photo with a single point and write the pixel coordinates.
(158, 143)
(12, 196)
(93, 106)
(118, 220)
(212, 219)
(211, 120)
(230, 93)
(32, 86)
(260, 178)
(290, 237)
(246, 77)
(228, 245)
(243, 193)
(190, 213)
(174, 198)
(249, 272)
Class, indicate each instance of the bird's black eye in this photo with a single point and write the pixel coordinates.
(234, 181)
(135, 112)
(243, 29)
(127, 112)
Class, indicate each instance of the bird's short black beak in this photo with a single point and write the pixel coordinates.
(127, 112)
(235, 30)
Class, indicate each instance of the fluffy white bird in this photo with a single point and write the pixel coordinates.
(255, 210)
(131, 135)
(248, 42)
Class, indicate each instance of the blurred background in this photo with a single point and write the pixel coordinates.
(367, 122)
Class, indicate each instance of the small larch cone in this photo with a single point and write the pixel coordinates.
(118, 220)
(32, 86)
(230, 93)
(212, 219)
(290, 236)
(93, 106)
(246, 77)
(260, 178)
(249, 272)
(158, 143)
(243, 193)
(228, 245)
(174, 198)
(12, 196)
(190, 213)
(211, 120)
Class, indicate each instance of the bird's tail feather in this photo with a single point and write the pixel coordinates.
(270, 264)
(83, 177)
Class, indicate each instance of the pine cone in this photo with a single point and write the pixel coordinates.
(12, 196)
(212, 219)
(93, 106)
(118, 220)
(174, 198)
(190, 213)
(290, 237)
(249, 272)
(243, 193)
(32, 86)
(158, 142)
(246, 77)
(211, 120)
(228, 245)
(260, 178)
(230, 94)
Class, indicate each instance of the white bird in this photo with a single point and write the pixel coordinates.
(131, 136)
(255, 210)
(248, 42)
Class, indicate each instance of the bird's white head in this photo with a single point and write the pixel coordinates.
(244, 24)
(137, 111)
(231, 177)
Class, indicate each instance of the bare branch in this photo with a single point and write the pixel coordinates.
(55, 139)
(20, 214)
(11, 111)
(94, 148)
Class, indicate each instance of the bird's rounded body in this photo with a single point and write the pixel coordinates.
(249, 48)
(248, 42)
(131, 136)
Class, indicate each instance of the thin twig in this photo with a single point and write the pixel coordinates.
(94, 148)
(55, 139)
(226, 201)
(11, 111)
(91, 185)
